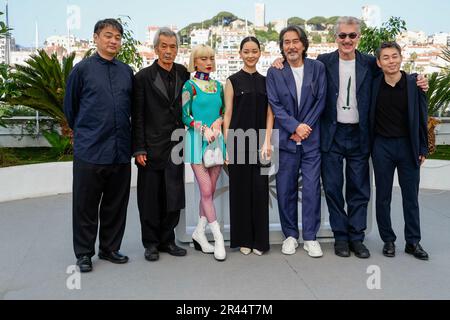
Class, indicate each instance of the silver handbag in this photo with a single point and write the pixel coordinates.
(213, 156)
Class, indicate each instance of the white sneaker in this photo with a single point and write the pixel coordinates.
(289, 246)
(313, 249)
(245, 250)
(257, 252)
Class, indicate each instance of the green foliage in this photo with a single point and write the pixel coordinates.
(41, 83)
(442, 153)
(7, 158)
(4, 113)
(7, 86)
(25, 156)
(266, 36)
(296, 21)
(316, 38)
(318, 21)
(129, 52)
(4, 30)
(371, 38)
(331, 36)
(332, 20)
(60, 145)
(222, 17)
(439, 87)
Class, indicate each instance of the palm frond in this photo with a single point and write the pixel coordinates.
(42, 82)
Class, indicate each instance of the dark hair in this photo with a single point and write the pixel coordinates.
(301, 34)
(250, 39)
(388, 44)
(102, 24)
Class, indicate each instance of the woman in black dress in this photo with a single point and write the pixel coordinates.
(246, 108)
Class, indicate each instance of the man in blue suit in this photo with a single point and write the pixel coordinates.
(345, 135)
(297, 96)
(398, 127)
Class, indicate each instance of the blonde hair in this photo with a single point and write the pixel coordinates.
(201, 51)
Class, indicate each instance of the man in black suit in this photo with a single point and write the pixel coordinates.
(398, 127)
(156, 115)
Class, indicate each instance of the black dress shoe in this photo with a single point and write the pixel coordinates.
(417, 251)
(341, 249)
(114, 257)
(85, 264)
(172, 249)
(389, 249)
(151, 253)
(359, 249)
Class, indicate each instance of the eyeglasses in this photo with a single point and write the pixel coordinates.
(344, 35)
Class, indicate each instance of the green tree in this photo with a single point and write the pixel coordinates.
(41, 83)
(318, 21)
(296, 21)
(316, 38)
(222, 18)
(371, 38)
(7, 86)
(407, 67)
(439, 87)
(332, 20)
(412, 63)
(266, 36)
(129, 53)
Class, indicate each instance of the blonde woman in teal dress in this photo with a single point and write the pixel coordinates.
(203, 110)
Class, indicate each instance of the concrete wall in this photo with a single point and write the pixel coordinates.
(40, 180)
(443, 132)
(55, 178)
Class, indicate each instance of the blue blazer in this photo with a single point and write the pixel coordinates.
(417, 115)
(290, 113)
(366, 70)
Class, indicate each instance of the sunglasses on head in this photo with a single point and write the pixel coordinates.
(344, 35)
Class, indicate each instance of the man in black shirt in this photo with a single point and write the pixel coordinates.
(398, 123)
(156, 115)
(97, 106)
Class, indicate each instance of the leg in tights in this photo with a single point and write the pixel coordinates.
(207, 179)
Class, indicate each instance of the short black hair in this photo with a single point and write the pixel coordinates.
(388, 44)
(250, 39)
(301, 34)
(102, 24)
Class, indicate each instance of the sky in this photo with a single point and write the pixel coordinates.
(431, 16)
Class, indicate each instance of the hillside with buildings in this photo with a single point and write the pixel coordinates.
(224, 31)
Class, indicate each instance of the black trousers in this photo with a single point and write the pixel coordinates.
(390, 154)
(99, 191)
(160, 196)
(249, 207)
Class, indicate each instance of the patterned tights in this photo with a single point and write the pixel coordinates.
(207, 179)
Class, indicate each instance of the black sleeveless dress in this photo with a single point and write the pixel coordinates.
(249, 189)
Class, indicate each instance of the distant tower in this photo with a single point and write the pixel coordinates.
(37, 37)
(8, 38)
(371, 15)
(260, 14)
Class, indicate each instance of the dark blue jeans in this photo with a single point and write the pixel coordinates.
(350, 225)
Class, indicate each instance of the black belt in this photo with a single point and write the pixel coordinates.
(348, 125)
